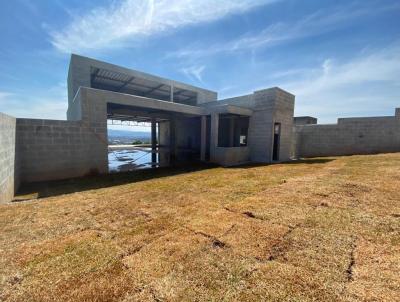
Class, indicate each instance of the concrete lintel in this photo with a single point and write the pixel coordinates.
(230, 109)
(142, 102)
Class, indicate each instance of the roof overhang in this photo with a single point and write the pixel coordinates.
(143, 104)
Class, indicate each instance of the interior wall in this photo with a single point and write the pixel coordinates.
(188, 138)
(164, 143)
(8, 174)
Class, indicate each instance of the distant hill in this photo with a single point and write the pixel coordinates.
(118, 137)
(127, 134)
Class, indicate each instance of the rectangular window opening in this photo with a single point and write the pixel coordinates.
(232, 130)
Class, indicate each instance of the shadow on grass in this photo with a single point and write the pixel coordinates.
(58, 187)
(311, 161)
(307, 161)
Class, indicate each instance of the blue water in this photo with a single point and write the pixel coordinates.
(128, 160)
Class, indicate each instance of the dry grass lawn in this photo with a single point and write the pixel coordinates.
(318, 230)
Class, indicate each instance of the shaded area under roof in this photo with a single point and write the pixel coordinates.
(120, 82)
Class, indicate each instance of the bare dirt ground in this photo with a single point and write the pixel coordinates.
(317, 230)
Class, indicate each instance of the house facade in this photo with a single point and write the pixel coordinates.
(188, 124)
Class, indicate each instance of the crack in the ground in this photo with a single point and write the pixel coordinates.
(277, 249)
(228, 230)
(130, 252)
(153, 294)
(214, 240)
(249, 214)
(137, 249)
(352, 261)
(246, 213)
(230, 210)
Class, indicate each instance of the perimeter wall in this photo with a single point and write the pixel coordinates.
(365, 135)
(51, 149)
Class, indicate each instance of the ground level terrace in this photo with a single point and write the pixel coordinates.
(324, 229)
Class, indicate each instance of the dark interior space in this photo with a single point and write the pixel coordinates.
(232, 130)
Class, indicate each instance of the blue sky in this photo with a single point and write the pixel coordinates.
(340, 58)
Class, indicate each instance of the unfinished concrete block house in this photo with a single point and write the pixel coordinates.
(188, 123)
(191, 123)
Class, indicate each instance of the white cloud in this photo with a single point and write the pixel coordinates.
(106, 27)
(53, 105)
(194, 72)
(317, 23)
(4, 95)
(367, 84)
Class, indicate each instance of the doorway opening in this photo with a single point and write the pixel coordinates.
(133, 137)
(277, 138)
(130, 146)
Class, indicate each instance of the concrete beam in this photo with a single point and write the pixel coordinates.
(142, 102)
(153, 89)
(138, 113)
(125, 84)
(230, 109)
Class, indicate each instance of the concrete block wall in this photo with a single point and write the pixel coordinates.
(231, 156)
(78, 76)
(50, 149)
(8, 175)
(260, 126)
(271, 106)
(305, 120)
(246, 101)
(349, 136)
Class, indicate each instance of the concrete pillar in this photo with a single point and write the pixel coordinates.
(172, 139)
(231, 131)
(153, 141)
(203, 140)
(159, 134)
(171, 94)
(214, 135)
